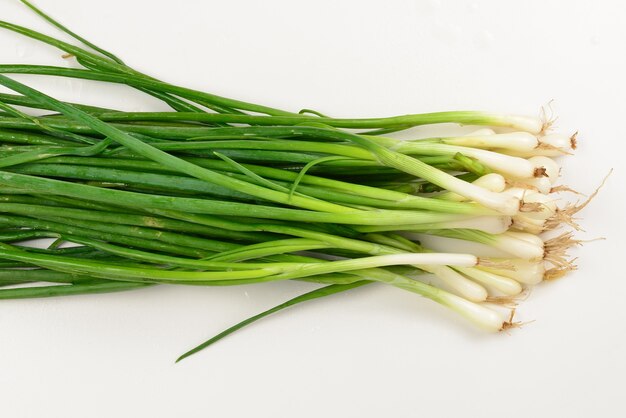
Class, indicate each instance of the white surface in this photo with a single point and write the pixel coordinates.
(376, 351)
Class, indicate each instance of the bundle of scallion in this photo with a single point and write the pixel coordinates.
(222, 192)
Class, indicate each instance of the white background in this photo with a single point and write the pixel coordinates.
(374, 351)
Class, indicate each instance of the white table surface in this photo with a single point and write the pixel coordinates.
(374, 351)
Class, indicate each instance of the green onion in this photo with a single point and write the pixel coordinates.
(224, 192)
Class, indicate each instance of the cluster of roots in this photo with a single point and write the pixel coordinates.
(567, 214)
(556, 250)
(510, 324)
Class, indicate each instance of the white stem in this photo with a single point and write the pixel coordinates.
(528, 224)
(482, 316)
(530, 238)
(493, 182)
(541, 184)
(521, 189)
(456, 282)
(517, 141)
(518, 192)
(545, 152)
(504, 164)
(506, 205)
(518, 247)
(521, 123)
(561, 142)
(450, 259)
(523, 271)
(503, 284)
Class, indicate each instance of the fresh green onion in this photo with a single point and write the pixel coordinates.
(223, 192)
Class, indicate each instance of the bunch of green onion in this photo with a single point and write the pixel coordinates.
(220, 192)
